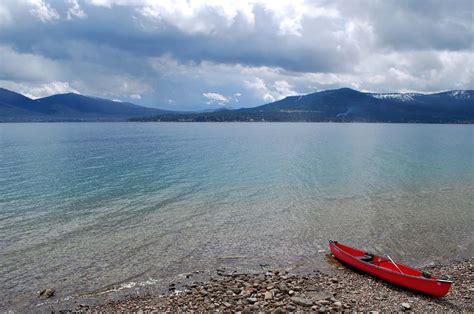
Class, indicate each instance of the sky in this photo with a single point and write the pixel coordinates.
(195, 55)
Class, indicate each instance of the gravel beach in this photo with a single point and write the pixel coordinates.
(279, 290)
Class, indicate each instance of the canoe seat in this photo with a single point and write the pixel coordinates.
(367, 257)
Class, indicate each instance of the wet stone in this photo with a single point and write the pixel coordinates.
(47, 293)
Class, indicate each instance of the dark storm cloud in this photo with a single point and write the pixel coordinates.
(259, 45)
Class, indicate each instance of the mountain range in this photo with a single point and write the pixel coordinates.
(15, 107)
(338, 105)
(348, 105)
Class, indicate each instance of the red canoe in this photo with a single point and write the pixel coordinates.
(390, 271)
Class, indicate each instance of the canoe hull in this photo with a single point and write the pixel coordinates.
(432, 286)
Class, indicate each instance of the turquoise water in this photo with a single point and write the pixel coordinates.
(91, 207)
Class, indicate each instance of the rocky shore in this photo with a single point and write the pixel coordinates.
(280, 290)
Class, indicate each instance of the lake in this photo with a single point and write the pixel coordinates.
(87, 208)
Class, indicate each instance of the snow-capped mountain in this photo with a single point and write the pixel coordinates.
(461, 94)
(397, 96)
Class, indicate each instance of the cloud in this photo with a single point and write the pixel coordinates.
(195, 16)
(261, 50)
(43, 11)
(75, 11)
(26, 66)
(414, 25)
(260, 87)
(216, 98)
(5, 16)
(35, 91)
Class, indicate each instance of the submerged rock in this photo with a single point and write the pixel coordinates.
(47, 293)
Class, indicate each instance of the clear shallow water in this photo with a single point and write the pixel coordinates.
(89, 207)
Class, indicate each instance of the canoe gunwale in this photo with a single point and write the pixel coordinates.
(445, 280)
(334, 243)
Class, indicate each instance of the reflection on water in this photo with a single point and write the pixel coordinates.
(92, 207)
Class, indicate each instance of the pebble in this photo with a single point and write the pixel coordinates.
(406, 306)
(252, 300)
(290, 307)
(254, 307)
(283, 287)
(268, 295)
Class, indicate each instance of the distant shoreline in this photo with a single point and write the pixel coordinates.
(343, 105)
(198, 122)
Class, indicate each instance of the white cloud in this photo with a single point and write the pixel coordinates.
(75, 11)
(289, 15)
(284, 88)
(259, 86)
(200, 16)
(110, 3)
(135, 96)
(43, 10)
(197, 16)
(34, 90)
(5, 15)
(216, 98)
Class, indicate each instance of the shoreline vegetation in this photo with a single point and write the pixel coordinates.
(186, 120)
(284, 117)
(281, 290)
